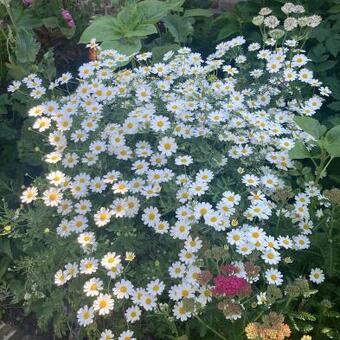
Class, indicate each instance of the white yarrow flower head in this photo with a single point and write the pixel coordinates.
(317, 276)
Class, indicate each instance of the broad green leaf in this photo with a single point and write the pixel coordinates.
(299, 151)
(159, 51)
(175, 5)
(152, 11)
(331, 121)
(4, 100)
(5, 262)
(317, 53)
(335, 178)
(334, 106)
(128, 19)
(67, 32)
(5, 247)
(102, 29)
(334, 9)
(183, 337)
(50, 22)
(24, 19)
(320, 33)
(333, 45)
(311, 126)
(26, 48)
(6, 132)
(332, 140)
(179, 27)
(16, 71)
(127, 47)
(142, 30)
(227, 30)
(327, 65)
(198, 12)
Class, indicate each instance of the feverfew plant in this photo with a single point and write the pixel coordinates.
(192, 155)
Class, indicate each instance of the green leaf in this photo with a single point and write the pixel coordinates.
(332, 140)
(180, 28)
(142, 30)
(5, 262)
(334, 9)
(327, 65)
(311, 126)
(175, 5)
(335, 178)
(152, 11)
(334, 106)
(6, 132)
(128, 19)
(317, 53)
(159, 51)
(102, 29)
(5, 247)
(299, 151)
(26, 48)
(50, 22)
(228, 30)
(320, 33)
(333, 45)
(305, 316)
(4, 100)
(127, 47)
(198, 12)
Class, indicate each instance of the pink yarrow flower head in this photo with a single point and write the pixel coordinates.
(68, 18)
(231, 286)
(229, 269)
(27, 2)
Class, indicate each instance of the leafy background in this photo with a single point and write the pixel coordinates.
(35, 38)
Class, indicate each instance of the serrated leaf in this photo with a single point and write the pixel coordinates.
(26, 47)
(305, 316)
(311, 126)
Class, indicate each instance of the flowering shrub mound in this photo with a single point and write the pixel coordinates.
(188, 158)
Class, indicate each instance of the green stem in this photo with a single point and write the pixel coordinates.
(210, 328)
(278, 223)
(330, 234)
(323, 165)
(8, 10)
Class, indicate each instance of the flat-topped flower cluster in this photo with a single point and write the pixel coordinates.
(194, 153)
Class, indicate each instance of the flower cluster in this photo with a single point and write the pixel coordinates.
(192, 159)
(272, 328)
